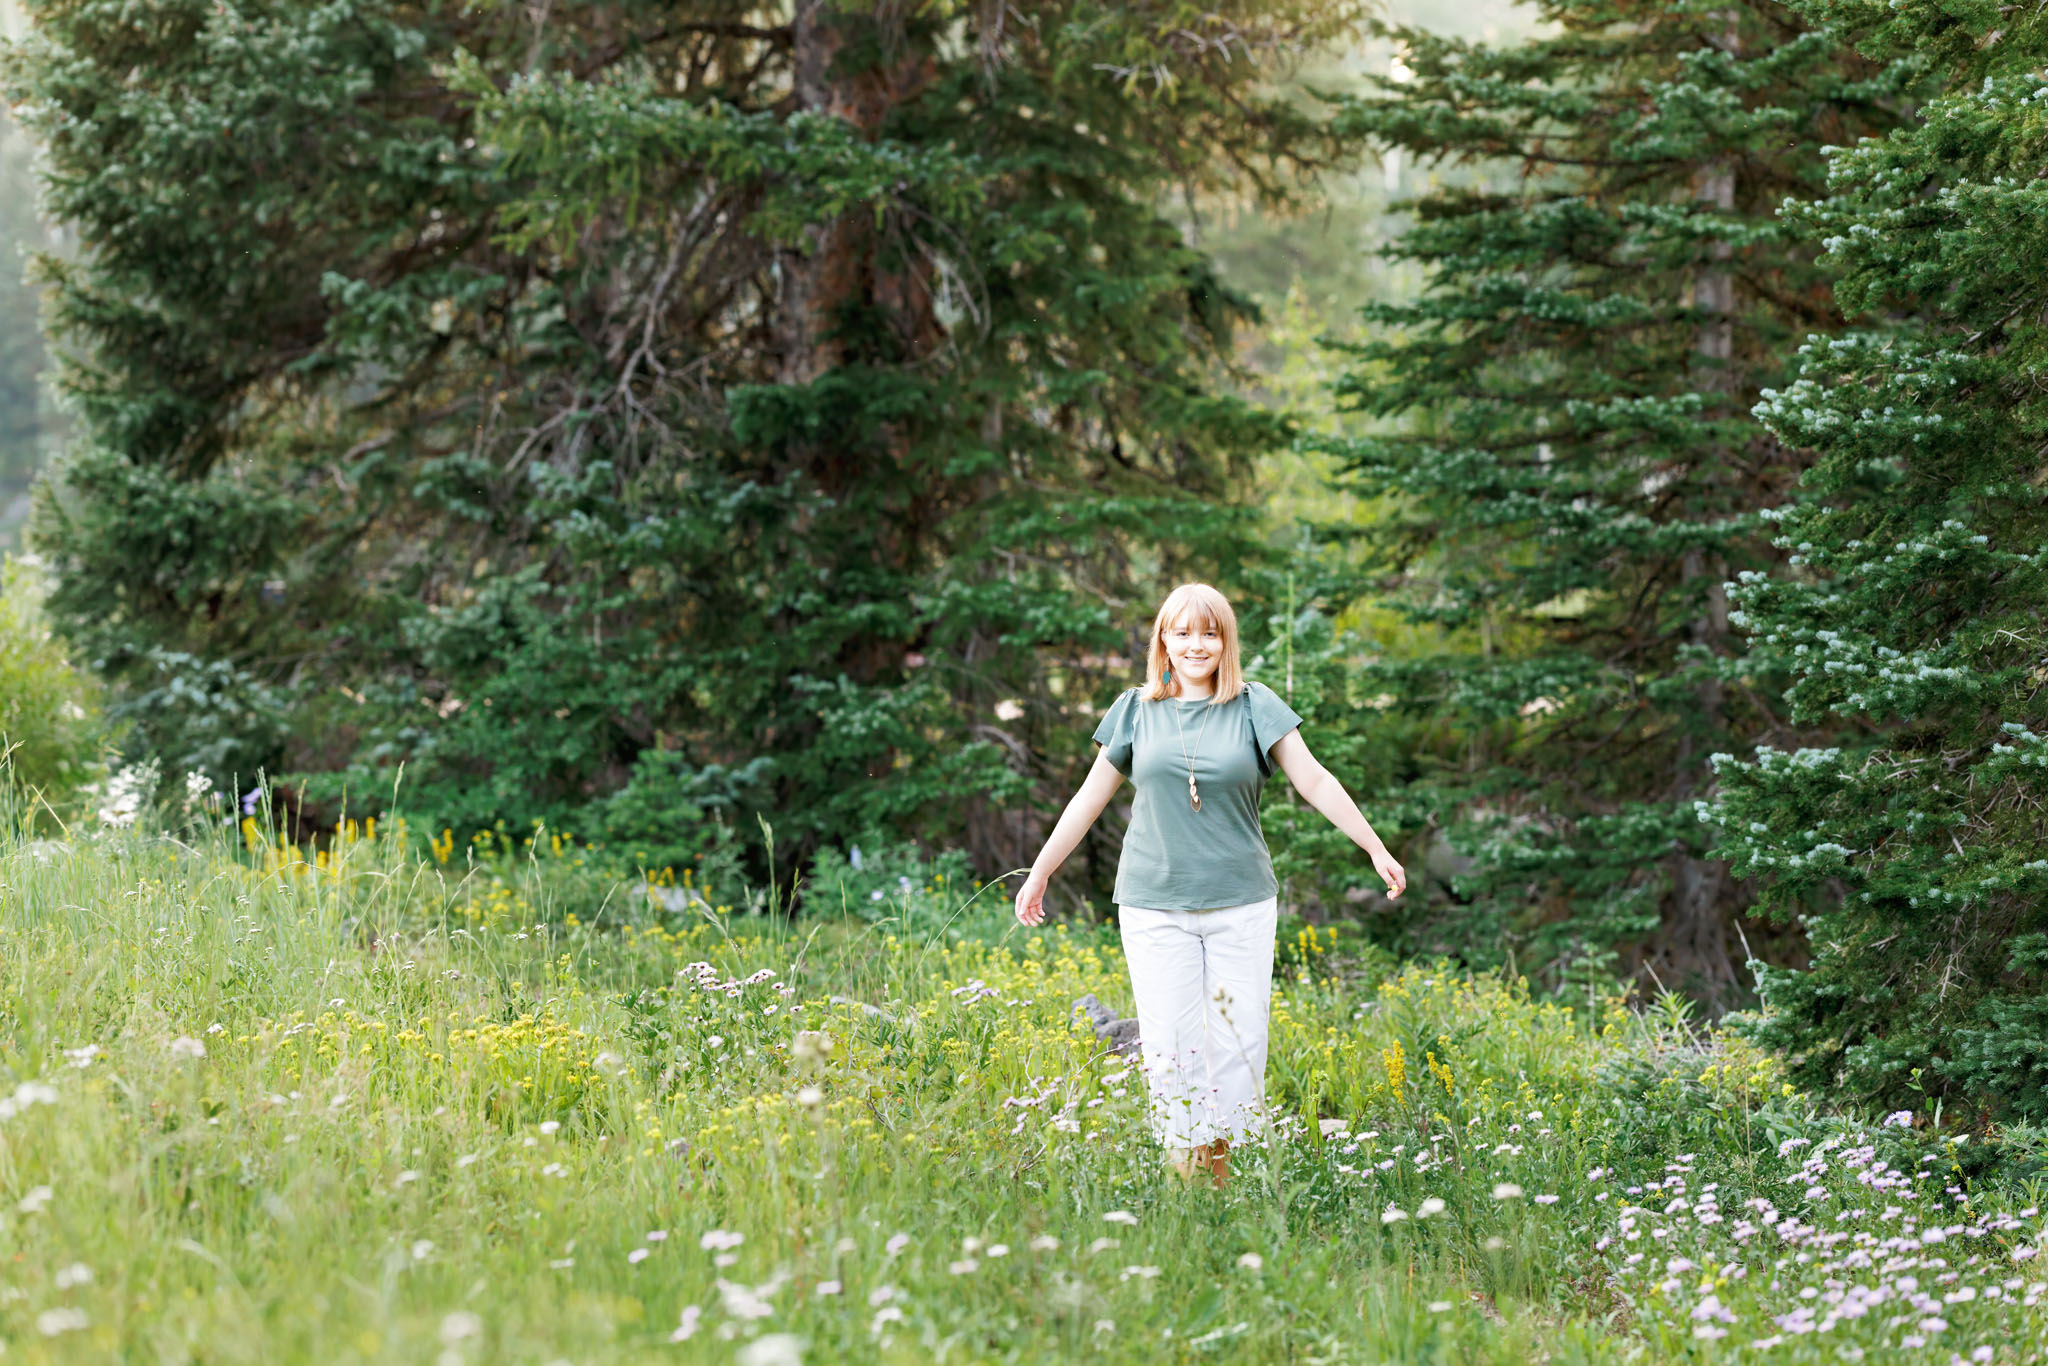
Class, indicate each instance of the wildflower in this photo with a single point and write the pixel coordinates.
(1711, 1308)
(1119, 1216)
(963, 1267)
(999, 1250)
(881, 1295)
(887, 1314)
(810, 1097)
(829, 1287)
(1546, 1199)
(121, 797)
(459, 1325)
(185, 1046)
(716, 1041)
(1393, 1214)
(1495, 1244)
(1102, 1245)
(1045, 1242)
(406, 1178)
(1105, 1326)
(54, 1321)
(1144, 1272)
(740, 1302)
(1506, 1190)
(78, 1273)
(657, 1235)
(562, 1263)
(688, 1327)
(216, 1028)
(897, 1242)
(1439, 1306)
(554, 1169)
(465, 1160)
(637, 1256)
(1251, 1261)
(811, 1046)
(1429, 1208)
(548, 1126)
(82, 1057)
(26, 1094)
(721, 1240)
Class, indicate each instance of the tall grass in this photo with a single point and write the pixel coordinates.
(386, 1108)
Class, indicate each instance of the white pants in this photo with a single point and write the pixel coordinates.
(1203, 981)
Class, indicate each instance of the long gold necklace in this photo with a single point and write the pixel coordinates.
(1194, 793)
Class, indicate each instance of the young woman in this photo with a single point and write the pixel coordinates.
(1195, 892)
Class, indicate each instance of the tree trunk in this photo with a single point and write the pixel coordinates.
(1695, 941)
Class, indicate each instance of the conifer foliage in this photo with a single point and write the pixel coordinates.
(1909, 624)
(1561, 420)
(712, 403)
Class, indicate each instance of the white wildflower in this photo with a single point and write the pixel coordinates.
(460, 1326)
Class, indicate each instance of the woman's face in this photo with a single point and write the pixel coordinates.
(1193, 649)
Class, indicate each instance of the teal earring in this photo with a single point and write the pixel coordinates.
(1166, 674)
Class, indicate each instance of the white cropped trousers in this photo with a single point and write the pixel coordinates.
(1203, 981)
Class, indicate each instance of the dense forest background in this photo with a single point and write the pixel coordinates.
(1615, 422)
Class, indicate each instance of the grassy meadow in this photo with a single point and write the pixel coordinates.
(485, 1104)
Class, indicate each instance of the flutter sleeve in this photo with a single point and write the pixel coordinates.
(1272, 718)
(1119, 724)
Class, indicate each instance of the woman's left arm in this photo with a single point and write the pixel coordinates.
(1321, 790)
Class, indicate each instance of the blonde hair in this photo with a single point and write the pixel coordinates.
(1200, 605)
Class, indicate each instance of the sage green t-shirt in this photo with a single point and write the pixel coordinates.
(1174, 857)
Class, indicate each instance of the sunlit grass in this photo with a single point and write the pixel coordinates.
(265, 1108)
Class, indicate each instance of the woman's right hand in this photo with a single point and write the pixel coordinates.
(1031, 901)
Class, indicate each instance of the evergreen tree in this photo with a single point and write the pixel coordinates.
(1562, 420)
(1910, 620)
(628, 410)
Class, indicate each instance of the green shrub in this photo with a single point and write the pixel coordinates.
(50, 719)
(880, 881)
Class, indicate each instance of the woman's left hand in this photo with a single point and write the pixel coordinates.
(1395, 876)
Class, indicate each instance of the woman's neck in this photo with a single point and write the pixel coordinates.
(1186, 695)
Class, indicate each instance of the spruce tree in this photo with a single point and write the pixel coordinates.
(649, 409)
(1901, 823)
(1560, 420)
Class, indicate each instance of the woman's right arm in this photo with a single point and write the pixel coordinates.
(1096, 790)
